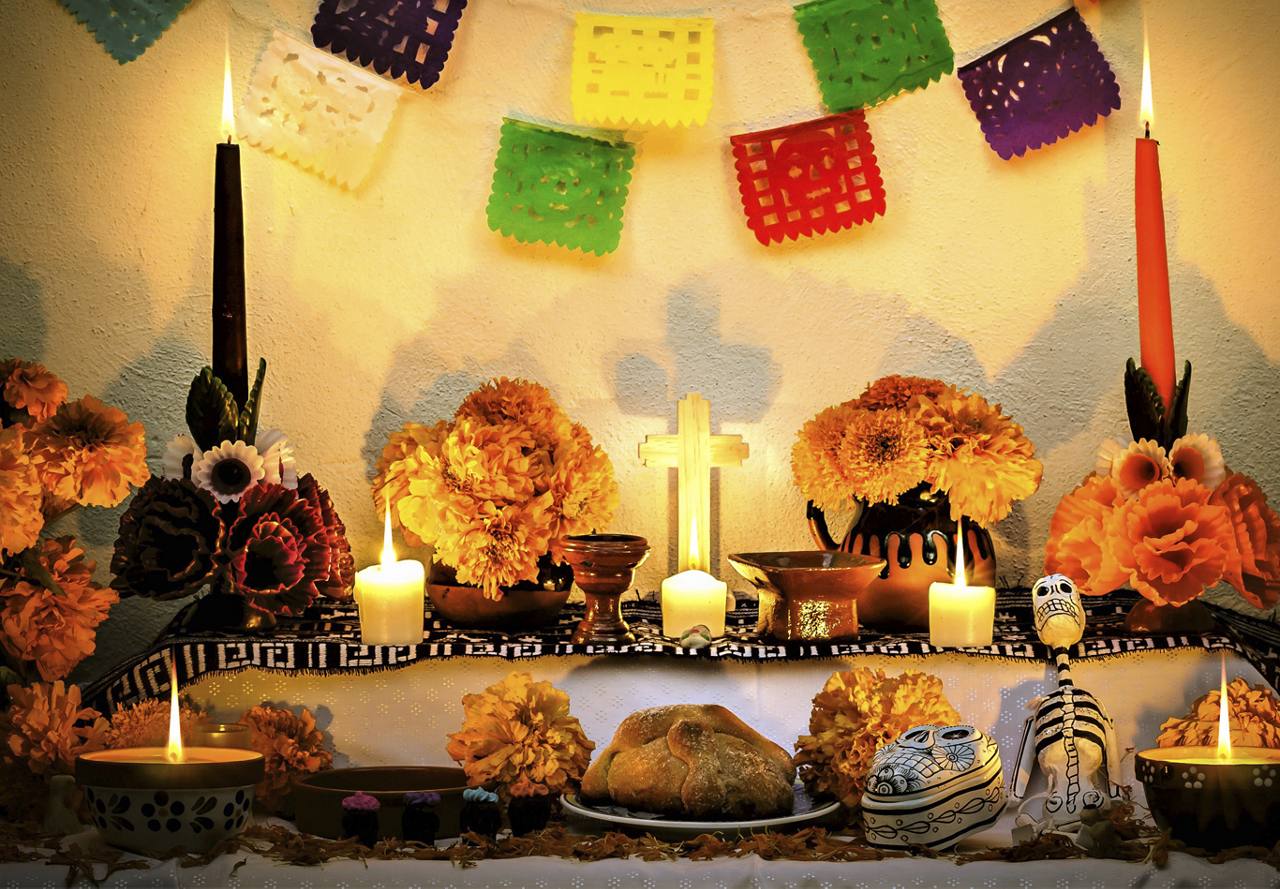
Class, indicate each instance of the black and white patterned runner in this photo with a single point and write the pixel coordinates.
(328, 641)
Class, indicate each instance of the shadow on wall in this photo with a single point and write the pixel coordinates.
(23, 330)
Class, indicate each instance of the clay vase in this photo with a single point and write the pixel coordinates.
(522, 606)
(604, 566)
(915, 538)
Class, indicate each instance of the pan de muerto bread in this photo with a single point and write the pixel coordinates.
(694, 760)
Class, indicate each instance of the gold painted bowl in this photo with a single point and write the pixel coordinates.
(808, 595)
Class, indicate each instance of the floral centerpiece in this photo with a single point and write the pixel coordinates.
(920, 459)
(1165, 515)
(55, 456)
(230, 513)
(497, 490)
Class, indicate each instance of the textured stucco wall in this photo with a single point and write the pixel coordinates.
(390, 303)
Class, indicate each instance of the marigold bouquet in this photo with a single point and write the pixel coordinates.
(55, 455)
(519, 739)
(908, 433)
(497, 490)
(293, 748)
(230, 512)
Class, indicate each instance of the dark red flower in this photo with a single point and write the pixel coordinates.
(342, 564)
(277, 551)
(169, 541)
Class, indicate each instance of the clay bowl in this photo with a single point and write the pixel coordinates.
(318, 799)
(808, 595)
(523, 606)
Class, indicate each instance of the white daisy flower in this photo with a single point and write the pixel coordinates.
(180, 456)
(228, 470)
(277, 457)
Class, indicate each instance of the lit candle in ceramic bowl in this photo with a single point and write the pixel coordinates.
(1214, 797)
(961, 616)
(153, 800)
(391, 597)
(693, 598)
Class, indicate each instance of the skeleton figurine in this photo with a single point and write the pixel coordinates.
(1068, 732)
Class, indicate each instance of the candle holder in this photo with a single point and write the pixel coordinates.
(808, 595)
(604, 567)
(1214, 803)
(141, 801)
(227, 735)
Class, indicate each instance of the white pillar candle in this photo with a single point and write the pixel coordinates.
(691, 598)
(961, 616)
(390, 597)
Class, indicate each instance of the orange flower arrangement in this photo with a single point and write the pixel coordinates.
(53, 628)
(1154, 523)
(29, 388)
(497, 490)
(20, 494)
(293, 748)
(519, 738)
(856, 713)
(1255, 719)
(88, 453)
(904, 432)
(46, 727)
(146, 723)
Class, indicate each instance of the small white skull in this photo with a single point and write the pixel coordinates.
(1057, 611)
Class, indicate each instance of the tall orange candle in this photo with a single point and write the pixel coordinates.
(1155, 317)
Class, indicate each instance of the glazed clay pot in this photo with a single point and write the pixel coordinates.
(522, 606)
(604, 566)
(914, 536)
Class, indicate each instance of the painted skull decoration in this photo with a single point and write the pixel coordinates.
(922, 755)
(1057, 611)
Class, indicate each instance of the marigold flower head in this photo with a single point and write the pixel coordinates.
(89, 453)
(292, 746)
(47, 727)
(857, 712)
(30, 387)
(1254, 716)
(898, 392)
(400, 461)
(54, 629)
(984, 461)
(507, 402)
(583, 491)
(146, 723)
(519, 738)
(500, 546)
(1077, 545)
(1253, 562)
(1171, 541)
(20, 494)
(846, 453)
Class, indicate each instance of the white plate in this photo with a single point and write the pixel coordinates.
(806, 811)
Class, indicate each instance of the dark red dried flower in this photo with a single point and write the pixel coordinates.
(342, 564)
(277, 550)
(169, 541)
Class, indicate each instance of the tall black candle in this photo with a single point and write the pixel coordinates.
(230, 353)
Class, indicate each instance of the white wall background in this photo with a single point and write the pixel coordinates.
(390, 303)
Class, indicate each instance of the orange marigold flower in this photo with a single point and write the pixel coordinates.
(1171, 541)
(1253, 564)
(898, 392)
(20, 494)
(858, 712)
(46, 727)
(28, 386)
(146, 723)
(583, 491)
(292, 746)
(507, 402)
(815, 460)
(519, 738)
(1254, 716)
(501, 546)
(1077, 544)
(847, 453)
(54, 629)
(400, 461)
(984, 462)
(89, 453)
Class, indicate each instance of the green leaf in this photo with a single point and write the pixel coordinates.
(248, 423)
(211, 410)
(1177, 419)
(1143, 403)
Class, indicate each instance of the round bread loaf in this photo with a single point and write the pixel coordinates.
(692, 760)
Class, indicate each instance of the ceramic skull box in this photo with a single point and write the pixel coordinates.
(932, 787)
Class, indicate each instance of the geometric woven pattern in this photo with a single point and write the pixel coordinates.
(125, 28)
(1041, 87)
(642, 69)
(327, 640)
(316, 110)
(808, 178)
(559, 187)
(396, 38)
(866, 51)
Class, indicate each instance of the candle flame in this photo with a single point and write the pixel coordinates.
(1147, 114)
(388, 549)
(1224, 716)
(173, 751)
(960, 581)
(228, 114)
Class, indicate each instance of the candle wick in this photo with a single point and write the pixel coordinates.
(1146, 136)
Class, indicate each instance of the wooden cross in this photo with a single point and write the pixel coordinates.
(693, 450)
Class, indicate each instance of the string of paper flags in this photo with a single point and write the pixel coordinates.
(560, 184)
